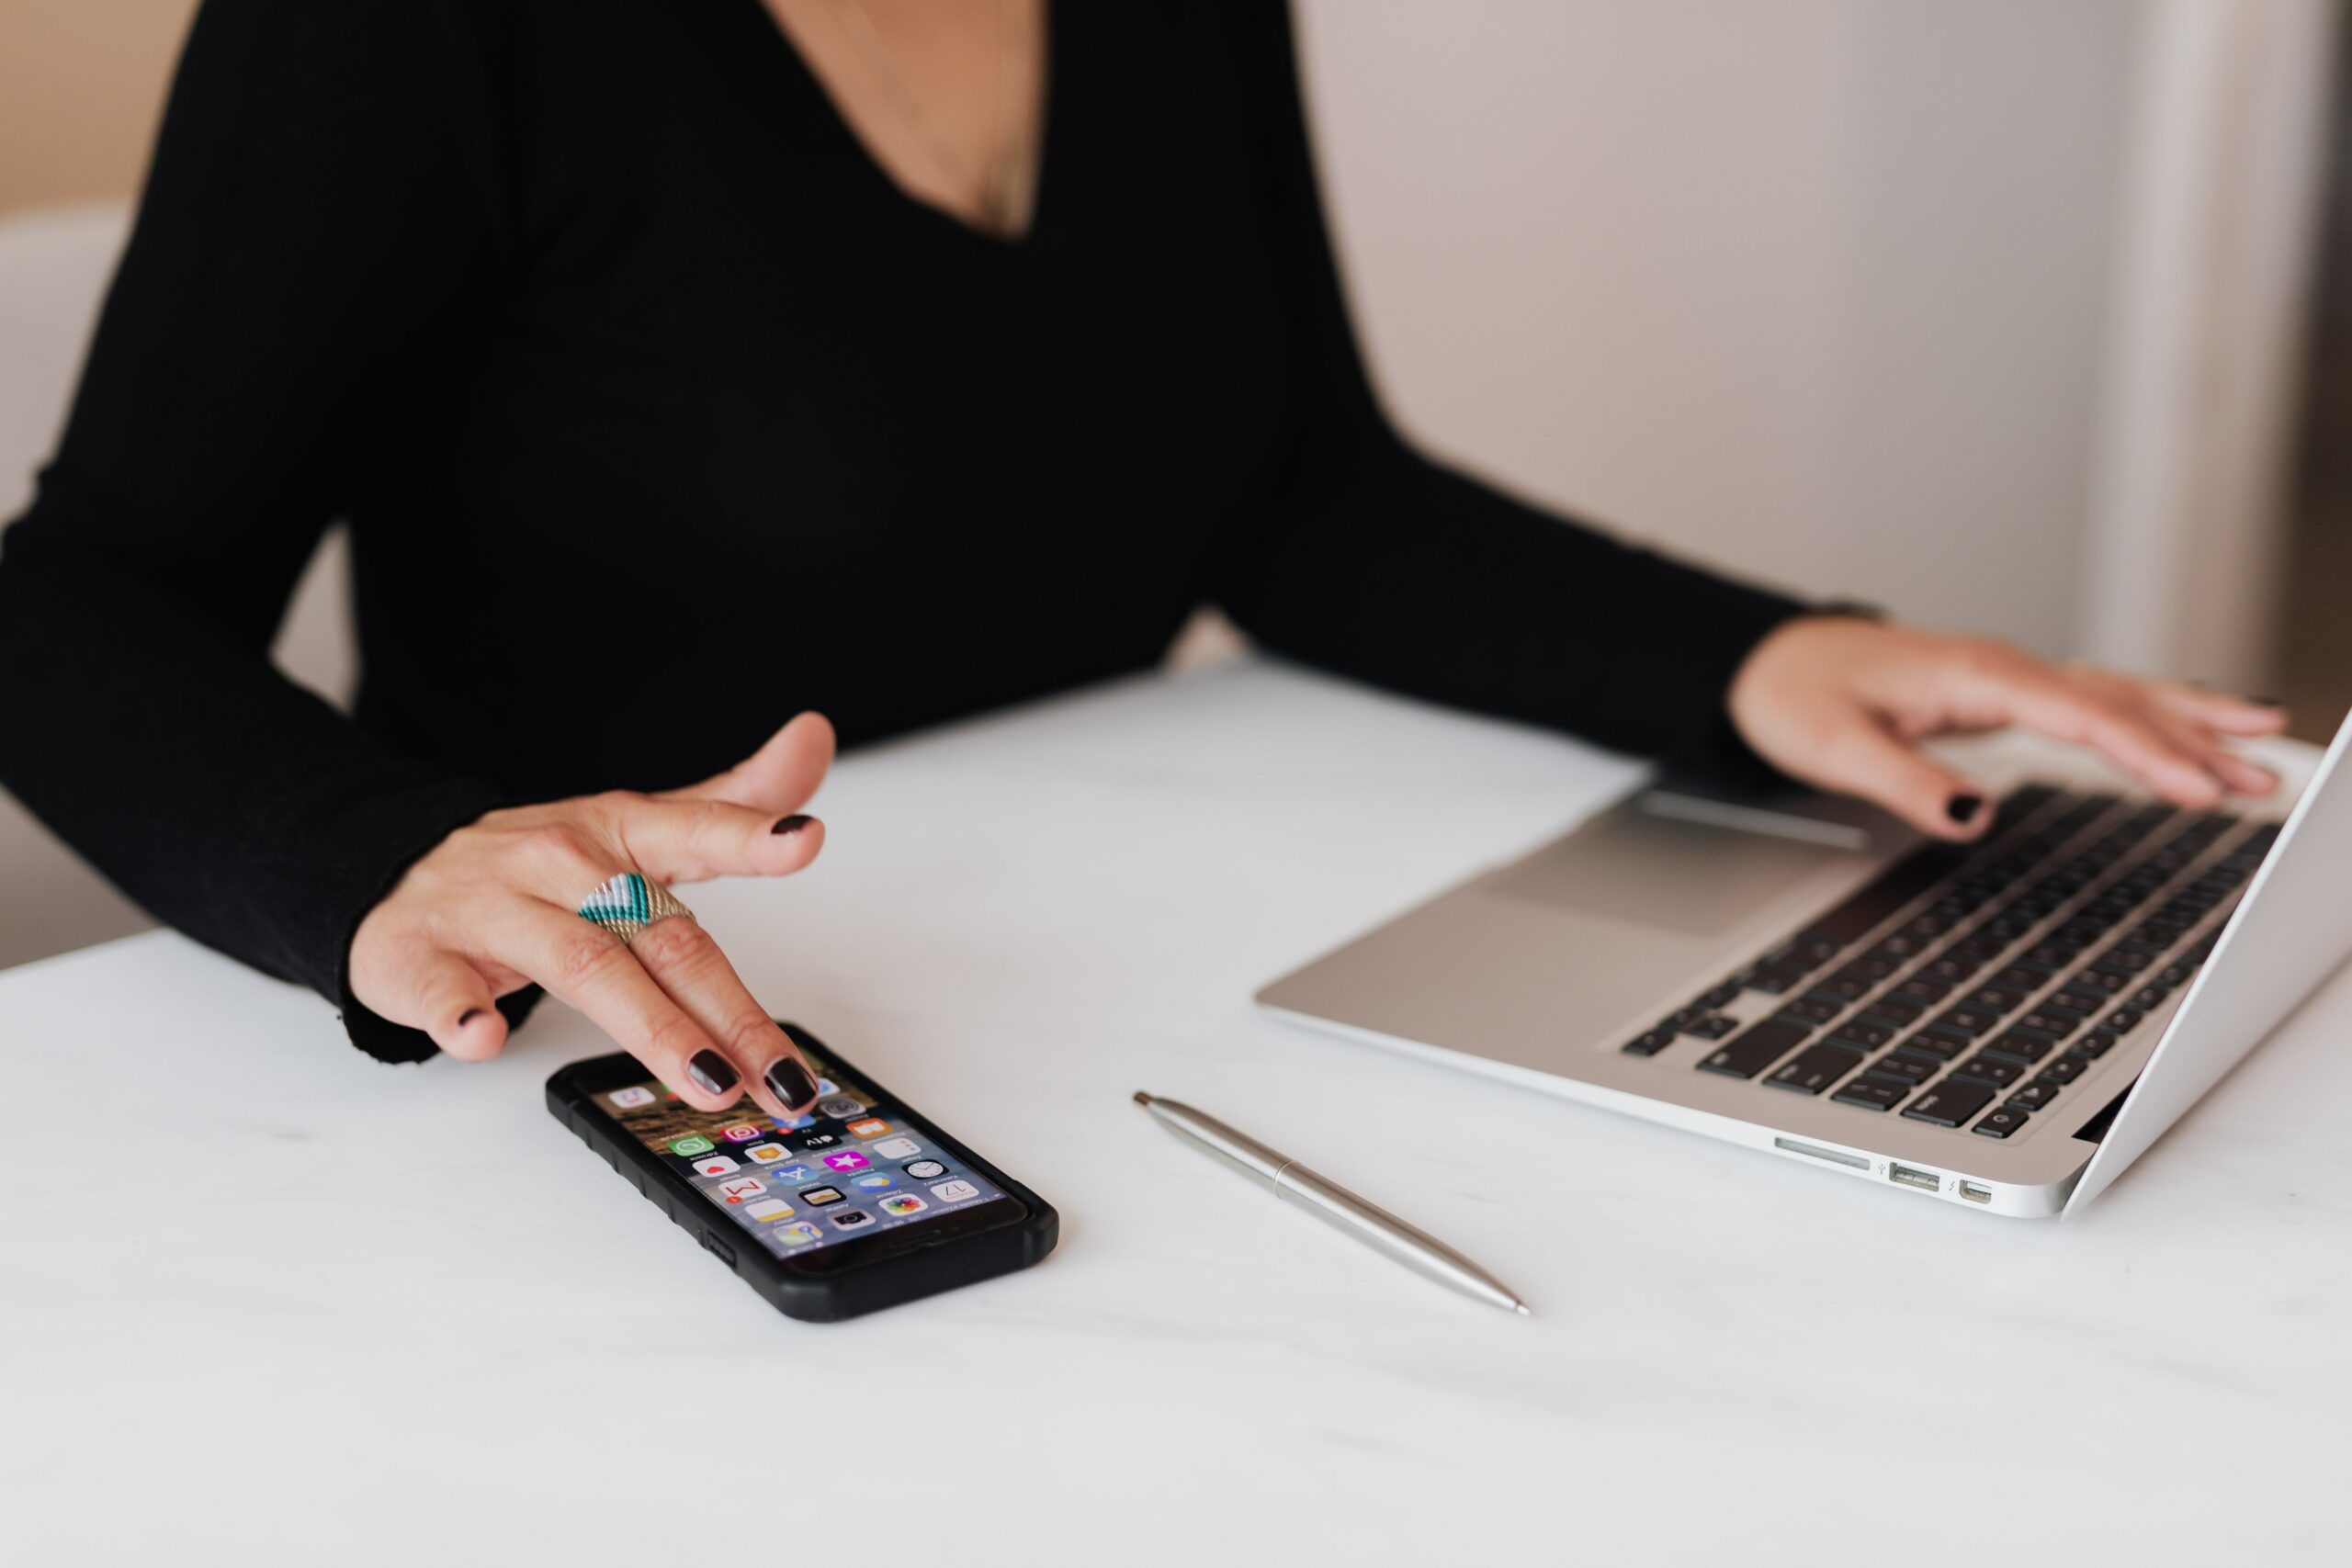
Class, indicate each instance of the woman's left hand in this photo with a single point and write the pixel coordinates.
(1842, 702)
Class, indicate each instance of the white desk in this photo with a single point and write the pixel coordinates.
(266, 1300)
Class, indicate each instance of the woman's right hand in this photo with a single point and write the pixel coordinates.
(492, 909)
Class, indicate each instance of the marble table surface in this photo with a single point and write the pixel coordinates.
(261, 1297)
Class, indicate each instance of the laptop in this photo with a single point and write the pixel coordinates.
(2005, 1025)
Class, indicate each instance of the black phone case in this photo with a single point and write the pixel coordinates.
(851, 1292)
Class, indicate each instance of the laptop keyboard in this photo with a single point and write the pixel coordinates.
(1969, 986)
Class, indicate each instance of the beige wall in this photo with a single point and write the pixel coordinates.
(81, 84)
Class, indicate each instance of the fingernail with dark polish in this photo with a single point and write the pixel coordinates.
(792, 1083)
(467, 1016)
(1964, 808)
(792, 824)
(712, 1073)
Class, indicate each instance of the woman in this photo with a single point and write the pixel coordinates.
(681, 365)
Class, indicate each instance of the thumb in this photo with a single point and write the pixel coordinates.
(780, 776)
(1861, 757)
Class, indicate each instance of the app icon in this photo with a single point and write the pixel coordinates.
(818, 1197)
(742, 1188)
(851, 1220)
(840, 1105)
(691, 1145)
(714, 1165)
(846, 1159)
(629, 1099)
(924, 1169)
(869, 1127)
(819, 1141)
(799, 1234)
(794, 1124)
(898, 1148)
(792, 1172)
(765, 1153)
(874, 1182)
(954, 1191)
(903, 1203)
(741, 1133)
(768, 1209)
(826, 1086)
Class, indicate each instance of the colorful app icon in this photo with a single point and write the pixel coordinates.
(766, 1153)
(792, 1172)
(851, 1220)
(629, 1099)
(795, 1123)
(840, 1105)
(924, 1169)
(903, 1203)
(714, 1165)
(741, 1133)
(799, 1234)
(874, 1182)
(691, 1145)
(768, 1209)
(954, 1191)
(846, 1159)
(818, 1197)
(742, 1189)
(826, 1086)
(868, 1127)
(898, 1148)
(814, 1141)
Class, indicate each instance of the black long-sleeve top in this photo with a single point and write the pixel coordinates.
(659, 413)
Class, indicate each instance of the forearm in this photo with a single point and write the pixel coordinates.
(1379, 564)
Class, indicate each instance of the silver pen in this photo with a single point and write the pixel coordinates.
(1326, 1200)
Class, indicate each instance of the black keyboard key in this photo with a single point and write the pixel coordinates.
(1649, 1045)
(2095, 1045)
(1814, 1068)
(1903, 1064)
(1870, 967)
(1862, 1033)
(2107, 981)
(2023, 1046)
(1928, 992)
(1770, 981)
(1756, 1048)
(1936, 1042)
(2147, 998)
(1842, 988)
(2073, 1000)
(2057, 1022)
(2121, 1021)
(2062, 1071)
(1812, 1010)
(1968, 1020)
(1872, 1093)
(1727, 992)
(1993, 1070)
(1893, 1009)
(1952, 968)
(1996, 999)
(1950, 1103)
(1894, 887)
(2034, 1096)
(2000, 1124)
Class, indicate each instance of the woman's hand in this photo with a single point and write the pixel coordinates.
(1840, 701)
(490, 909)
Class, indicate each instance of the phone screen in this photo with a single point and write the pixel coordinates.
(852, 1167)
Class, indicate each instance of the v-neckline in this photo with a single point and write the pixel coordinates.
(853, 145)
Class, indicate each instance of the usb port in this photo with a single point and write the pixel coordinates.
(1976, 1194)
(1925, 1181)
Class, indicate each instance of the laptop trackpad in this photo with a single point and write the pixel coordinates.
(1694, 878)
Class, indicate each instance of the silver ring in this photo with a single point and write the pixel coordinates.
(628, 904)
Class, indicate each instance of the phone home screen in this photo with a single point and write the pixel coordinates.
(850, 1169)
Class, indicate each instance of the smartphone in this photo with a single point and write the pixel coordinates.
(861, 1204)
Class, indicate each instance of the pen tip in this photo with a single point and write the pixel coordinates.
(1520, 1308)
(1142, 1099)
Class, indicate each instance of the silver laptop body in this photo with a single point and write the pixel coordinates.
(1656, 959)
